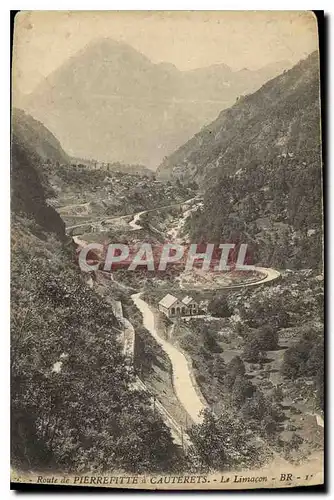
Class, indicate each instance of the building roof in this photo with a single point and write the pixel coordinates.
(187, 299)
(168, 300)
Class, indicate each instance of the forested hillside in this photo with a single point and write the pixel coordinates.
(261, 165)
(283, 115)
(73, 405)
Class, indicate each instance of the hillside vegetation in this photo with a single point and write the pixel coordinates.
(261, 163)
(283, 115)
(74, 407)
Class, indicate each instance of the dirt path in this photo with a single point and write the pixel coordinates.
(182, 379)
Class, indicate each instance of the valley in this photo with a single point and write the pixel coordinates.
(145, 110)
(196, 378)
(168, 369)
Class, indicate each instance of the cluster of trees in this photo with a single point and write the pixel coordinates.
(80, 178)
(223, 443)
(201, 339)
(262, 413)
(258, 342)
(296, 302)
(230, 383)
(201, 342)
(226, 439)
(271, 311)
(218, 306)
(306, 359)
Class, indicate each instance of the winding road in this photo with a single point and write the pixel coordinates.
(135, 216)
(182, 381)
(179, 434)
(269, 275)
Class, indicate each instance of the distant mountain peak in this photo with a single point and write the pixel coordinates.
(109, 101)
(107, 43)
(168, 66)
(105, 47)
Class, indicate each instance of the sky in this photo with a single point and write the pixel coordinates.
(43, 40)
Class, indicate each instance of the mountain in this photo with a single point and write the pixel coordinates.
(32, 144)
(259, 166)
(112, 103)
(270, 121)
(36, 138)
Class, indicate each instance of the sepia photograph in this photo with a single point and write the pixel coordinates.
(167, 250)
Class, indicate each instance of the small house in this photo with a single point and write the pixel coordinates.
(191, 304)
(172, 307)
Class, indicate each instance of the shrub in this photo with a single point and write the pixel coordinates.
(219, 307)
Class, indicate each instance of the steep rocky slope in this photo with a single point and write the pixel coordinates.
(32, 144)
(36, 138)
